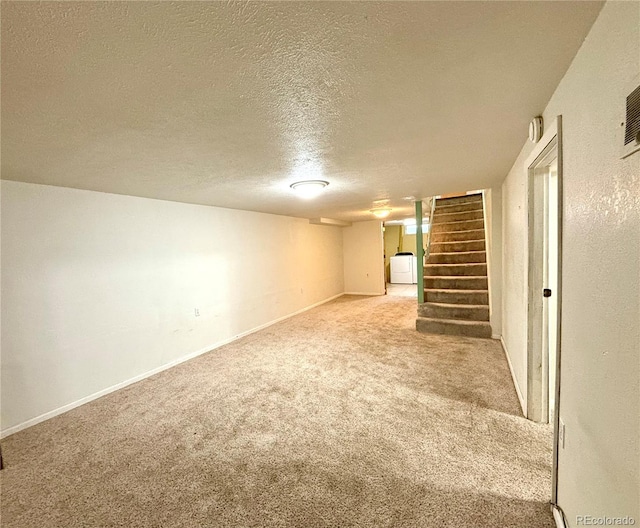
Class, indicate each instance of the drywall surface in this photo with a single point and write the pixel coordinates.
(514, 271)
(363, 258)
(98, 288)
(493, 229)
(600, 342)
(391, 247)
(409, 242)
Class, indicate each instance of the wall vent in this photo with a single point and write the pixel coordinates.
(632, 124)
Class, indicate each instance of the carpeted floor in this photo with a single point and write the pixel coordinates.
(343, 416)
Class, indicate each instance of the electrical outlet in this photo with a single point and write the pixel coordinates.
(197, 312)
(561, 434)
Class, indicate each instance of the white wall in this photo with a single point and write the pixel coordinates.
(514, 273)
(99, 289)
(363, 258)
(599, 467)
(493, 228)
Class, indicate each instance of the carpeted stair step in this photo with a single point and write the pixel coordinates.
(462, 225)
(468, 312)
(456, 208)
(458, 257)
(465, 198)
(457, 236)
(465, 245)
(440, 217)
(455, 276)
(456, 296)
(456, 283)
(453, 327)
(455, 269)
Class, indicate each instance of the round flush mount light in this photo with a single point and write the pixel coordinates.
(309, 188)
(381, 212)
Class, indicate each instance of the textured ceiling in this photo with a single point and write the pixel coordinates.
(228, 103)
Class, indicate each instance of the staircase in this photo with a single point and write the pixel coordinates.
(456, 291)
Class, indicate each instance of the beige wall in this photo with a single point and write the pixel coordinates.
(493, 230)
(396, 240)
(409, 242)
(100, 289)
(599, 467)
(391, 247)
(363, 258)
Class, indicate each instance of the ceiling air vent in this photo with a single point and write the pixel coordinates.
(632, 124)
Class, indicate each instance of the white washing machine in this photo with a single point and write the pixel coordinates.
(404, 269)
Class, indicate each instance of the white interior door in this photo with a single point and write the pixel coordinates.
(549, 177)
(544, 239)
(544, 272)
(550, 280)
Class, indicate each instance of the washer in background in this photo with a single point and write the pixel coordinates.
(402, 269)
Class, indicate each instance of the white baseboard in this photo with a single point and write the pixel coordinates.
(523, 405)
(149, 373)
(363, 293)
(558, 517)
(496, 336)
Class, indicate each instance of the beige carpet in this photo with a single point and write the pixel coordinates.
(341, 417)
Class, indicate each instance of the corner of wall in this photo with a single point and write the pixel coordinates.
(520, 393)
(493, 228)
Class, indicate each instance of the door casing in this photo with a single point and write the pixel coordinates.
(546, 150)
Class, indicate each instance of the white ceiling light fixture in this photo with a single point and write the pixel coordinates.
(309, 188)
(381, 212)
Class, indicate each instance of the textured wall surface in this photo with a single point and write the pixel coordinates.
(514, 270)
(98, 289)
(599, 468)
(493, 227)
(227, 103)
(363, 258)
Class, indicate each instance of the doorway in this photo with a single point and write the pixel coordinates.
(544, 168)
(543, 282)
(400, 259)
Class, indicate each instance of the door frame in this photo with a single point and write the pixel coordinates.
(537, 390)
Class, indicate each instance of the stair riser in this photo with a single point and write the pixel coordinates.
(467, 198)
(455, 269)
(457, 236)
(457, 207)
(439, 217)
(454, 297)
(471, 245)
(456, 283)
(426, 326)
(465, 225)
(458, 312)
(458, 258)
